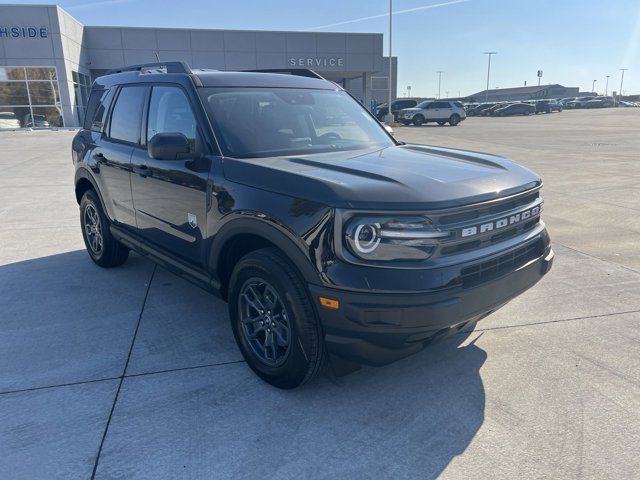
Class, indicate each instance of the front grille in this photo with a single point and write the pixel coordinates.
(486, 210)
(496, 267)
(486, 241)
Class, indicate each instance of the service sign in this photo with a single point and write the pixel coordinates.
(316, 62)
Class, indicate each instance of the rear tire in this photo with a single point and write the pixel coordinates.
(454, 119)
(418, 120)
(102, 247)
(274, 322)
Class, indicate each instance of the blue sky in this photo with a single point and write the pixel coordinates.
(573, 42)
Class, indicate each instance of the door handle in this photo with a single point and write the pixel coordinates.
(142, 170)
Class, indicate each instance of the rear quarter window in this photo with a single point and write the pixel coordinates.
(99, 102)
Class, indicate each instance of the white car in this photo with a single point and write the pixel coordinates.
(439, 111)
(9, 120)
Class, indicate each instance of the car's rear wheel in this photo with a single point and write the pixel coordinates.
(454, 119)
(103, 249)
(418, 120)
(273, 320)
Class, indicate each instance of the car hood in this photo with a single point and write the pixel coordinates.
(398, 177)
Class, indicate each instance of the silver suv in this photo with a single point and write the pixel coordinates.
(439, 111)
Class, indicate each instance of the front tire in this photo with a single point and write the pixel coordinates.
(103, 249)
(273, 320)
(418, 120)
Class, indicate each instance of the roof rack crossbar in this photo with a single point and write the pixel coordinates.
(171, 67)
(299, 72)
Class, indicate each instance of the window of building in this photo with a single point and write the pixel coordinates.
(127, 114)
(29, 98)
(380, 83)
(81, 88)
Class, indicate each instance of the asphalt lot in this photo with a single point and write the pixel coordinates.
(133, 373)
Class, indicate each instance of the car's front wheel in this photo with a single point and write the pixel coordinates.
(273, 321)
(454, 119)
(103, 249)
(418, 120)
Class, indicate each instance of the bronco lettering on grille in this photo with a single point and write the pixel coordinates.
(501, 223)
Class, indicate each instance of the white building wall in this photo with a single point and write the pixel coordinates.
(348, 58)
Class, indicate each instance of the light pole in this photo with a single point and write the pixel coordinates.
(389, 118)
(486, 96)
(447, 92)
(606, 88)
(439, 72)
(621, 82)
(593, 86)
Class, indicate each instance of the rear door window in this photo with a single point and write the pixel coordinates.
(126, 116)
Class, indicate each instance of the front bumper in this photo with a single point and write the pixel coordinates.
(380, 328)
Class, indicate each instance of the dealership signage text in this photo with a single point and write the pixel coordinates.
(316, 62)
(23, 32)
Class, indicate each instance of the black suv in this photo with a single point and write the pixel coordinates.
(284, 196)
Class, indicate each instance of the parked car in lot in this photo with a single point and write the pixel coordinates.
(439, 111)
(328, 239)
(548, 106)
(487, 112)
(600, 102)
(579, 102)
(474, 111)
(9, 120)
(35, 121)
(515, 109)
(396, 106)
(565, 101)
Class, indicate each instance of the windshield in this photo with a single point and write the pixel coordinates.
(266, 122)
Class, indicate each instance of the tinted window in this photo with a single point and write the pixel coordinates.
(404, 103)
(127, 114)
(264, 122)
(98, 105)
(440, 105)
(169, 111)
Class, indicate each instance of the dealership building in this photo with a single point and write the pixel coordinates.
(48, 59)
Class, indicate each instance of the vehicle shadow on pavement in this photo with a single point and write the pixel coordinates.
(64, 320)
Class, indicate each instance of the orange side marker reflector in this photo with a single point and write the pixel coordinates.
(329, 303)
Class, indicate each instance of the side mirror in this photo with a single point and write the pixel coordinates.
(168, 146)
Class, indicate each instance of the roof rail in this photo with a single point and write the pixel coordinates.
(299, 72)
(169, 67)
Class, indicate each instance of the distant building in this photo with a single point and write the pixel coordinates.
(48, 59)
(526, 93)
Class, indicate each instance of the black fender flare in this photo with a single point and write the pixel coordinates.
(83, 173)
(282, 238)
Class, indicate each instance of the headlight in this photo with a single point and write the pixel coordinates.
(391, 238)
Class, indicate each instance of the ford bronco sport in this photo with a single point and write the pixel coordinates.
(284, 196)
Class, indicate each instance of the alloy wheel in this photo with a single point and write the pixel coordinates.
(93, 229)
(264, 321)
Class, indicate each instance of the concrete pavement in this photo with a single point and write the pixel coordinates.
(133, 373)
